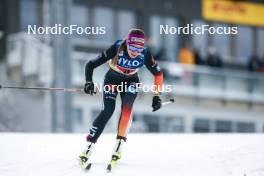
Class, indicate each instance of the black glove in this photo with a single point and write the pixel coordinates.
(156, 103)
(89, 88)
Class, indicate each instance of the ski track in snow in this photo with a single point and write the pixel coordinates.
(144, 154)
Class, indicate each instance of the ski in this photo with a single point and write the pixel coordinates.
(84, 156)
(85, 164)
(109, 168)
(112, 163)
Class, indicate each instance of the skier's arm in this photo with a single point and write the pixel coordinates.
(153, 67)
(101, 59)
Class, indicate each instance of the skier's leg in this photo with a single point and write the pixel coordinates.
(101, 120)
(98, 126)
(125, 120)
(127, 99)
(109, 99)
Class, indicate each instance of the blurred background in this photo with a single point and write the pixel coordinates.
(218, 79)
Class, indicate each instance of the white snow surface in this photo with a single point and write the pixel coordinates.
(28, 154)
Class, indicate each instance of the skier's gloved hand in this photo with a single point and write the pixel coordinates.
(156, 103)
(89, 88)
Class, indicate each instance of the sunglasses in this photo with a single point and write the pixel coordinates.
(135, 49)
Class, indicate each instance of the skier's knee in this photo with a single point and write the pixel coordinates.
(108, 112)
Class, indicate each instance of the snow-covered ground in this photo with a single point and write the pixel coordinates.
(144, 154)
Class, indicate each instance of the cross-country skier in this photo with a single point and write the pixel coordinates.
(125, 58)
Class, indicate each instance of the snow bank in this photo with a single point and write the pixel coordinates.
(144, 154)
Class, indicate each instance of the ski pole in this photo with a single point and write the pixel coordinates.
(168, 102)
(43, 88)
(165, 103)
(64, 89)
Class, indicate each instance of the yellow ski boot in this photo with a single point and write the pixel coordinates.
(84, 156)
(116, 155)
